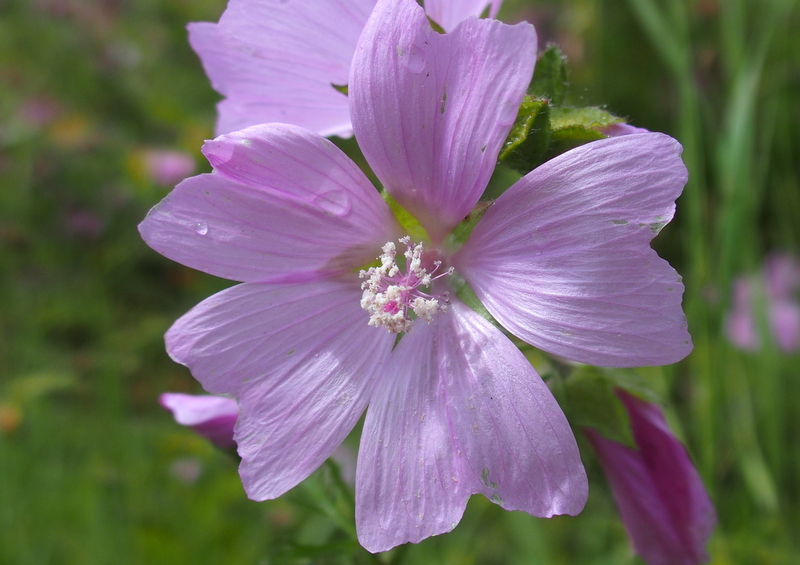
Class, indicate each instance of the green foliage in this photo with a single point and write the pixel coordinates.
(589, 400)
(545, 127)
(529, 140)
(550, 77)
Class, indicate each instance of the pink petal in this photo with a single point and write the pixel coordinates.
(450, 13)
(563, 260)
(300, 359)
(460, 411)
(276, 61)
(284, 204)
(431, 111)
(781, 275)
(213, 417)
(741, 331)
(784, 320)
(660, 495)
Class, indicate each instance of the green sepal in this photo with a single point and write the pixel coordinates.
(589, 400)
(550, 79)
(545, 127)
(588, 117)
(341, 88)
(529, 139)
(572, 127)
(569, 138)
(463, 230)
(409, 223)
(465, 293)
(436, 27)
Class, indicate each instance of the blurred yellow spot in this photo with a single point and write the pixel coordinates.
(71, 132)
(10, 417)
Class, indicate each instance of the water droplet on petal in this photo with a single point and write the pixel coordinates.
(201, 228)
(335, 202)
(411, 58)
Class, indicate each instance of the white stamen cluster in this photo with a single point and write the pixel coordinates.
(390, 295)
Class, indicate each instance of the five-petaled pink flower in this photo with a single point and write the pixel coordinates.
(660, 496)
(307, 343)
(280, 60)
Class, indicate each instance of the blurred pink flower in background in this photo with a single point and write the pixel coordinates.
(662, 501)
(772, 295)
(167, 166)
(39, 111)
(213, 417)
(84, 223)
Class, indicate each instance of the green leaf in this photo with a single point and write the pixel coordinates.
(529, 138)
(30, 387)
(550, 79)
(590, 400)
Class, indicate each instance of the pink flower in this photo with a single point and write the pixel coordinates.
(279, 60)
(660, 496)
(775, 289)
(84, 223)
(166, 166)
(306, 343)
(213, 417)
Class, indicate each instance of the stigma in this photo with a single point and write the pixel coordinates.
(394, 298)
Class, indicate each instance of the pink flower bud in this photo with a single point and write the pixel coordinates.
(662, 501)
(213, 417)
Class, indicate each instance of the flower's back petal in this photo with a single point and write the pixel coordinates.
(190, 409)
(276, 61)
(563, 260)
(431, 111)
(450, 13)
(284, 205)
(213, 417)
(300, 359)
(460, 411)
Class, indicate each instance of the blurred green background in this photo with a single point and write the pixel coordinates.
(93, 471)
